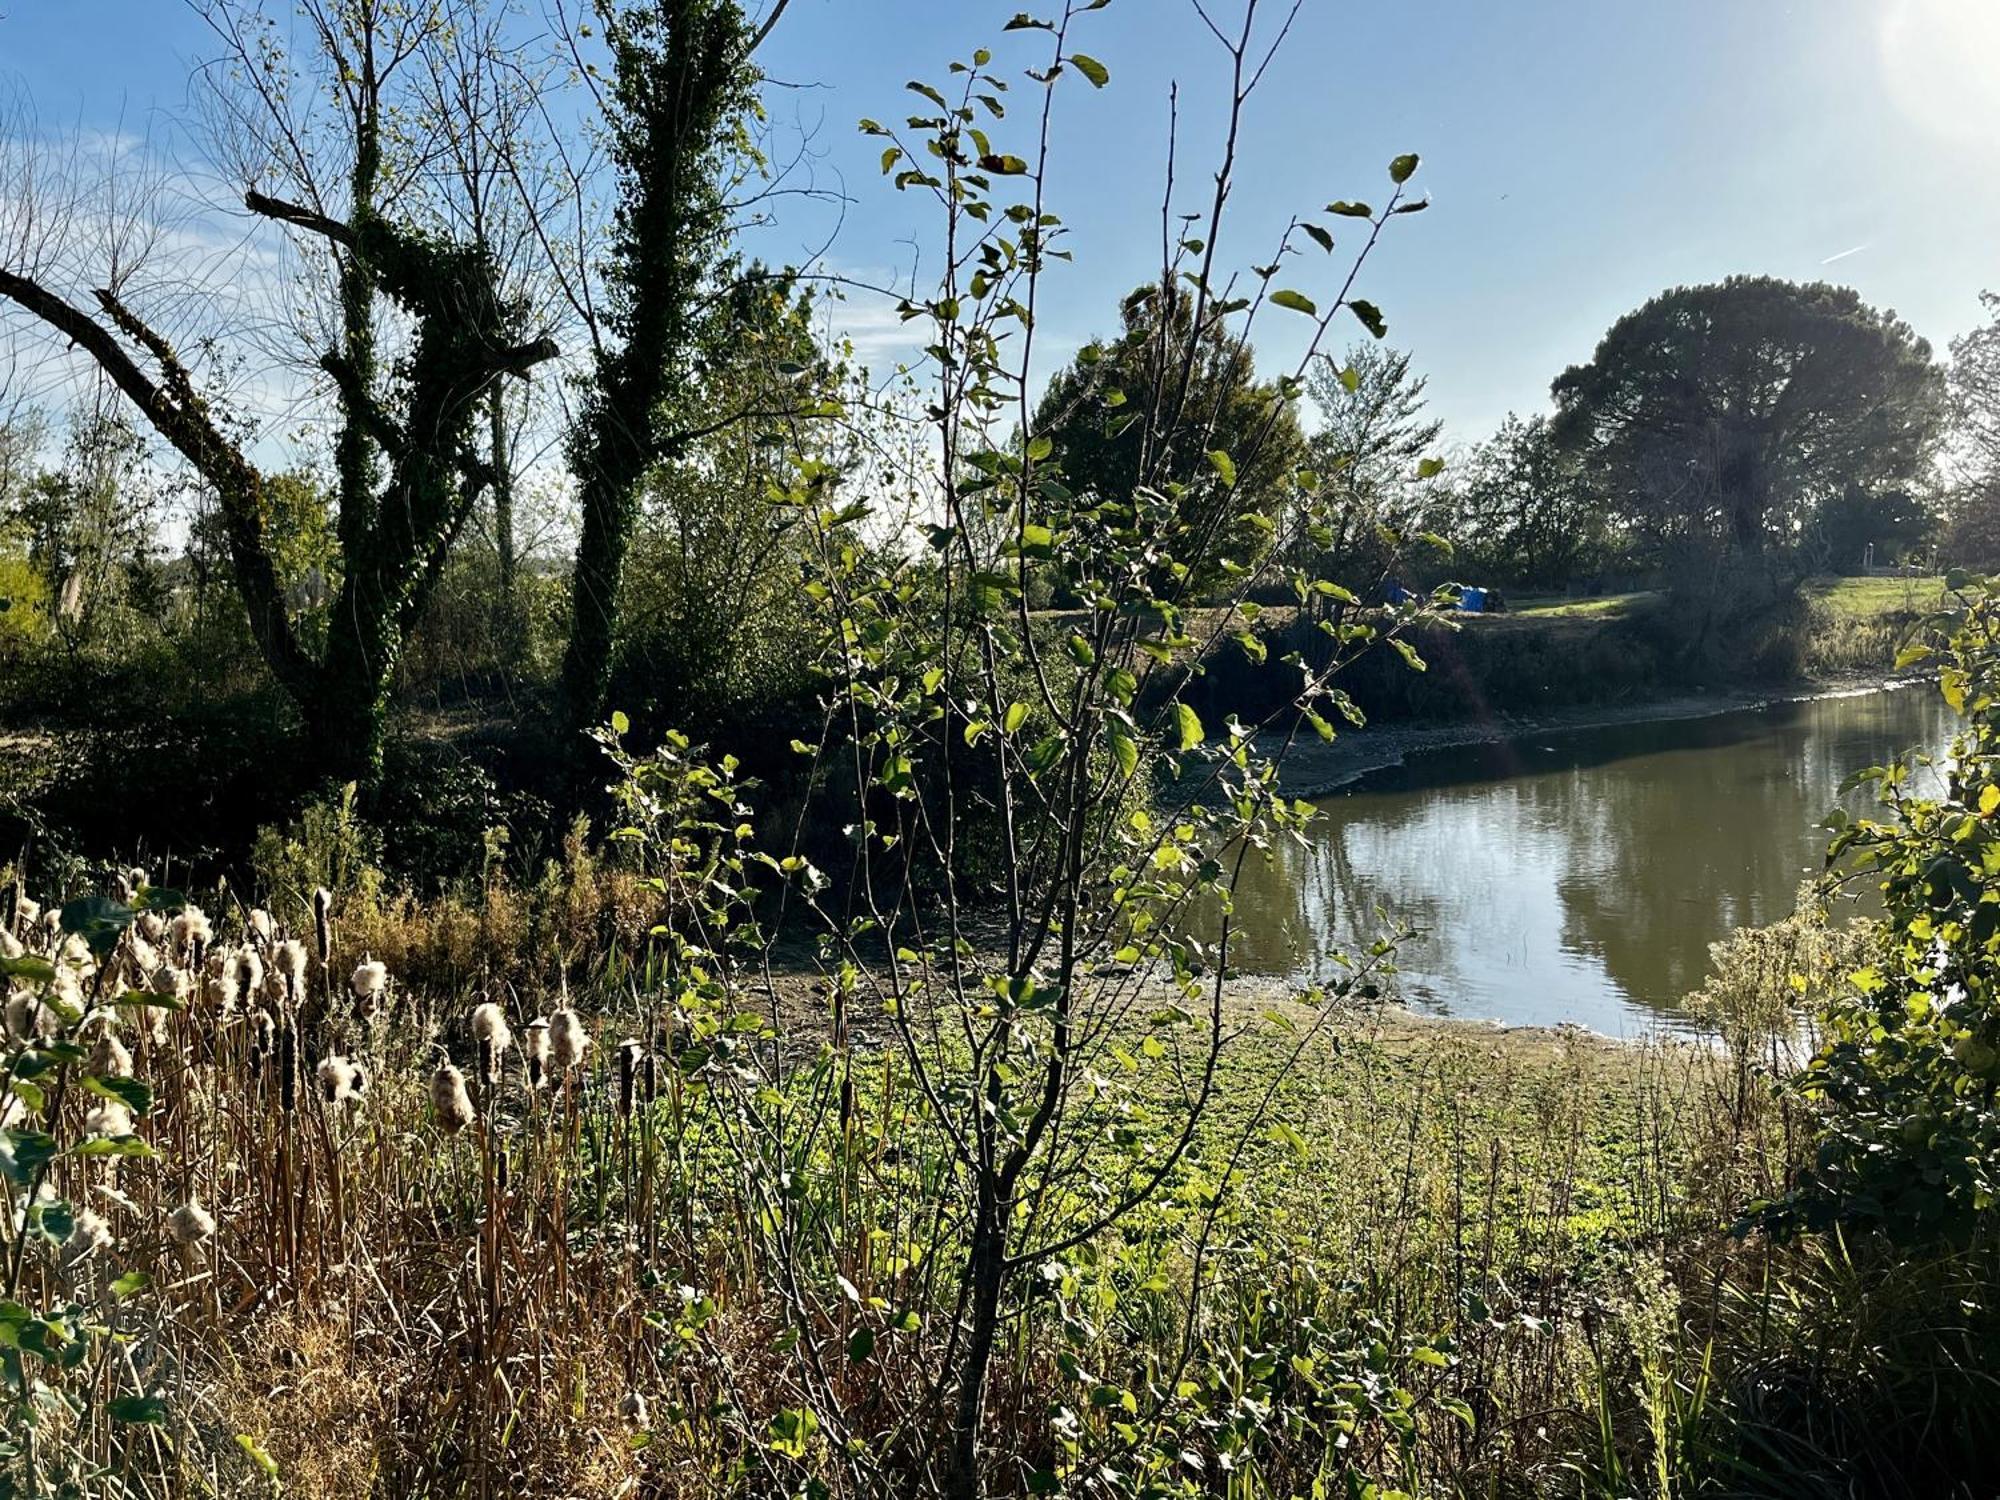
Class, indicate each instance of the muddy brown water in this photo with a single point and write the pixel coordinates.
(1578, 876)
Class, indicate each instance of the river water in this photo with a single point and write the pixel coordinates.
(1577, 876)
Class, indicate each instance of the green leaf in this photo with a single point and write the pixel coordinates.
(860, 1345)
(1124, 749)
(619, 723)
(1350, 379)
(1003, 166)
(1188, 724)
(34, 970)
(1349, 210)
(1430, 468)
(149, 1410)
(130, 1285)
(1409, 654)
(257, 1455)
(1370, 316)
(1039, 448)
(1091, 68)
(1321, 237)
(133, 1093)
(1016, 716)
(1403, 168)
(1296, 301)
(1223, 465)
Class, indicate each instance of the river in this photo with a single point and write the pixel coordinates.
(1579, 876)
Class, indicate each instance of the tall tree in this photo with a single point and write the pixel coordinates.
(1525, 509)
(1732, 411)
(407, 473)
(1200, 387)
(680, 85)
(1369, 451)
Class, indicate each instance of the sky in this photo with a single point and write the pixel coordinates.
(1580, 156)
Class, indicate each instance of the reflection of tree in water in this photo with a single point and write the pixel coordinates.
(1604, 868)
(1682, 847)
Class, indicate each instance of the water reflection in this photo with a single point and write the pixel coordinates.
(1578, 877)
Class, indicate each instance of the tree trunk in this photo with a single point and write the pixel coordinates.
(508, 627)
(986, 1271)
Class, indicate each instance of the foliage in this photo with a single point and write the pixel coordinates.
(1524, 512)
(1730, 411)
(1904, 1082)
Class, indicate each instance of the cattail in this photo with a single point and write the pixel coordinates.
(259, 922)
(111, 1117)
(87, 1236)
(628, 1072)
(568, 1041)
(122, 889)
(263, 1035)
(370, 980)
(10, 946)
(323, 924)
(288, 1067)
(489, 1024)
(190, 933)
(249, 970)
(110, 1058)
(145, 957)
(152, 926)
(290, 958)
(190, 1224)
(450, 1100)
(220, 992)
(535, 1047)
(27, 913)
(633, 1408)
(29, 1019)
(652, 1078)
(341, 1080)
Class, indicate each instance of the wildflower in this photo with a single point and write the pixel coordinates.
(111, 1117)
(568, 1041)
(342, 1080)
(450, 1100)
(190, 1224)
(110, 1058)
(88, 1235)
(535, 1047)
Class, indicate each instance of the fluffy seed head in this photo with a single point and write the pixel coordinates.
(110, 1058)
(489, 1024)
(370, 979)
(111, 1117)
(449, 1099)
(87, 1237)
(341, 1080)
(259, 922)
(190, 1224)
(290, 957)
(568, 1041)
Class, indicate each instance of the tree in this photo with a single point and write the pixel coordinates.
(680, 84)
(1732, 411)
(1525, 508)
(1858, 526)
(406, 472)
(1205, 390)
(1372, 440)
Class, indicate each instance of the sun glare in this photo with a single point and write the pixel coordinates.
(1942, 60)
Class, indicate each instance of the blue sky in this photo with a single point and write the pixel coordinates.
(1580, 155)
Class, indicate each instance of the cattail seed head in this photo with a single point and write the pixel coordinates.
(27, 913)
(450, 1101)
(110, 1058)
(10, 946)
(323, 924)
(629, 1052)
(29, 1019)
(535, 1047)
(190, 932)
(288, 1067)
(369, 981)
(110, 1117)
(489, 1024)
(290, 958)
(341, 1080)
(152, 926)
(190, 1224)
(568, 1040)
(260, 925)
(87, 1236)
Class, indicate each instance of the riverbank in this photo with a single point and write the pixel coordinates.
(1315, 768)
